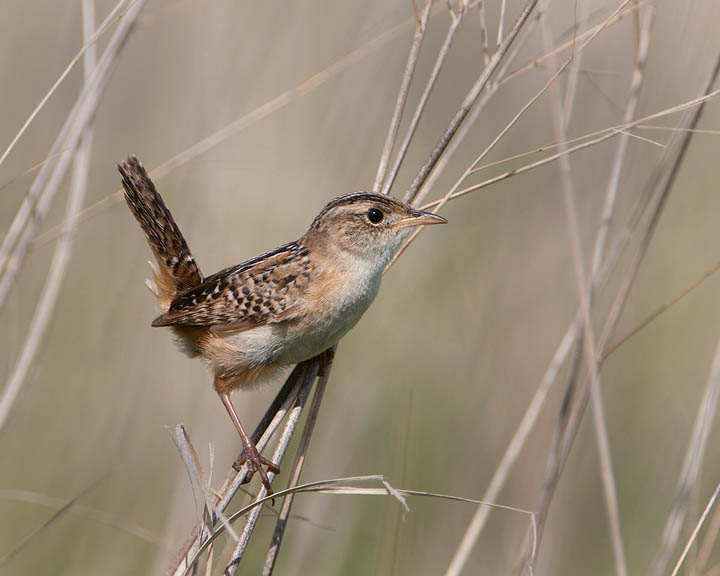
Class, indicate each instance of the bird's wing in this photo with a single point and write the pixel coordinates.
(264, 290)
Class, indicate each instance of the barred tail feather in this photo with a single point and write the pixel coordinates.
(176, 270)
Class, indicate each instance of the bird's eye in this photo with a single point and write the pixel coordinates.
(374, 215)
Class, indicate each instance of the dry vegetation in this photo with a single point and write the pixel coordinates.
(554, 350)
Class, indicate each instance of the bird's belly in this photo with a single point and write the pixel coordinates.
(299, 339)
(310, 337)
(292, 342)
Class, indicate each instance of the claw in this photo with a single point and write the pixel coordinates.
(255, 463)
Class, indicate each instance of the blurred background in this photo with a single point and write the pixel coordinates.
(429, 388)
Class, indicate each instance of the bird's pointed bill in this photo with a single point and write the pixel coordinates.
(420, 218)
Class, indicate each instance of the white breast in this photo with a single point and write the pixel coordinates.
(336, 318)
(338, 309)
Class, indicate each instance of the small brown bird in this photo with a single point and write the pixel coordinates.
(283, 307)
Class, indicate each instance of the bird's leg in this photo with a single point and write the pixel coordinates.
(251, 455)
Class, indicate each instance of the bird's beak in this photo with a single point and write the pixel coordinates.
(419, 218)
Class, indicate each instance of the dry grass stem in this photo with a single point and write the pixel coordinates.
(679, 129)
(344, 486)
(643, 139)
(475, 113)
(46, 184)
(512, 452)
(570, 44)
(484, 33)
(695, 531)
(34, 168)
(584, 289)
(25, 212)
(691, 469)
(455, 193)
(468, 102)
(332, 486)
(569, 423)
(708, 544)
(302, 89)
(665, 177)
(556, 461)
(605, 134)
(576, 66)
(402, 97)
(292, 421)
(63, 250)
(281, 101)
(261, 436)
(457, 18)
(194, 469)
(297, 468)
(659, 310)
(86, 512)
(24, 542)
(623, 140)
(501, 22)
(88, 45)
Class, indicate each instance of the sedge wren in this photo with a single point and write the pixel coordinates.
(288, 305)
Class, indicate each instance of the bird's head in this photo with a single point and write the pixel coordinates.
(367, 225)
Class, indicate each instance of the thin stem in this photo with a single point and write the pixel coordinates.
(245, 121)
(20, 546)
(576, 68)
(691, 468)
(456, 20)
(568, 427)
(666, 178)
(501, 22)
(605, 133)
(570, 44)
(476, 525)
(261, 436)
(584, 289)
(402, 96)
(331, 487)
(623, 140)
(695, 531)
(193, 468)
(86, 513)
(285, 98)
(25, 211)
(478, 521)
(659, 310)
(46, 184)
(708, 544)
(468, 102)
(63, 250)
(280, 449)
(88, 44)
(484, 33)
(297, 468)
(472, 117)
(453, 192)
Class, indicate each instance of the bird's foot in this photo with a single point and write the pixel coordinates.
(255, 463)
